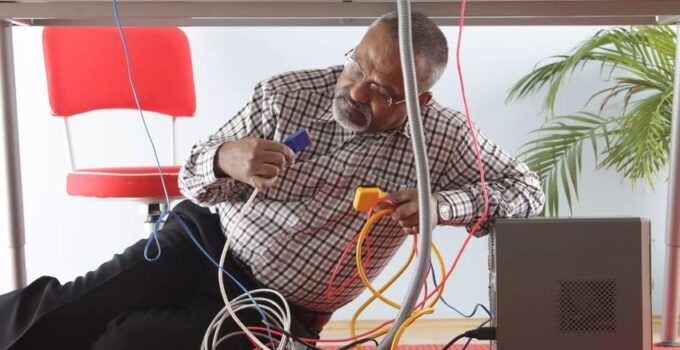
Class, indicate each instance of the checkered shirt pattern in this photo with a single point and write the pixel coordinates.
(296, 231)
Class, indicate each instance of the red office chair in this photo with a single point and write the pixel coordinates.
(86, 71)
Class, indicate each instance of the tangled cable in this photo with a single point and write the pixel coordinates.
(272, 312)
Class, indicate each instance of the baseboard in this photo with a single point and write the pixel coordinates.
(429, 324)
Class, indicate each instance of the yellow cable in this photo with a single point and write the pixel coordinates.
(442, 270)
(360, 268)
(407, 323)
(378, 294)
(429, 310)
(362, 235)
(374, 296)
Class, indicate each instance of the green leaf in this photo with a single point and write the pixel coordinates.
(638, 64)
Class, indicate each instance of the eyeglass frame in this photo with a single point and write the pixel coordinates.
(350, 60)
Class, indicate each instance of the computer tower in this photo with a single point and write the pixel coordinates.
(565, 284)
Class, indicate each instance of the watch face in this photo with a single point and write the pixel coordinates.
(444, 210)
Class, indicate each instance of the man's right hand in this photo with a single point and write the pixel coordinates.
(254, 161)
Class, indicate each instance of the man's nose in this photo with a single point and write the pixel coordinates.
(360, 92)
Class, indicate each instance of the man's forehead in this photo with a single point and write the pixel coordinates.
(383, 61)
(380, 58)
(380, 46)
(378, 51)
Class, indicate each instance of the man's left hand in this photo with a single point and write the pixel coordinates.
(407, 210)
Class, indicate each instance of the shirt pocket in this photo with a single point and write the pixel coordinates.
(328, 205)
(296, 183)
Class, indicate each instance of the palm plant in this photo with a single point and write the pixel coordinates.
(637, 65)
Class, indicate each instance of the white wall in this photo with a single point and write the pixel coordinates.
(67, 236)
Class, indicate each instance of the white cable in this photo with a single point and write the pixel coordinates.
(261, 334)
(238, 305)
(220, 318)
(281, 318)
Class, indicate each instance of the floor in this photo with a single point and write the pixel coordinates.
(433, 332)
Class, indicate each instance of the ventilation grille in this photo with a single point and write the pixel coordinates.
(587, 306)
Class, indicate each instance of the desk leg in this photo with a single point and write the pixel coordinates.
(11, 203)
(669, 326)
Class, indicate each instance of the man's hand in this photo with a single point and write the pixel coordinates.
(254, 161)
(407, 210)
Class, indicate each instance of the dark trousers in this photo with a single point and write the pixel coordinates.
(130, 303)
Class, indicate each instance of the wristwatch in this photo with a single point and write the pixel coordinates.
(444, 210)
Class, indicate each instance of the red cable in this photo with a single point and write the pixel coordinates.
(329, 291)
(480, 166)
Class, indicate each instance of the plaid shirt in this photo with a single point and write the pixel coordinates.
(296, 230)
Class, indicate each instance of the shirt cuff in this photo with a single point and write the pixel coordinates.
(207, 162)
(462, 207)
(206, 171)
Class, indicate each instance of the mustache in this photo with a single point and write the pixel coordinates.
(362, 108)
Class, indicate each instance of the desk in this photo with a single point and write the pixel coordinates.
(334, 12)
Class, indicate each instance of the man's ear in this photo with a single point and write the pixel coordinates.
(424, 98)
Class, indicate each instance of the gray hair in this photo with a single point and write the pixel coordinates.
(429, 43)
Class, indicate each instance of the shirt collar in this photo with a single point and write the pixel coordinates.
(404, 130)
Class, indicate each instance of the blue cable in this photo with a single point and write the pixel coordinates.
(474, 311)
(166, 212)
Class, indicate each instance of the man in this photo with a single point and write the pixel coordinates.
(302, 218)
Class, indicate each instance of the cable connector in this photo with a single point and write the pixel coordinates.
(366, 197)
(298, 141)
(483, 333)
(480, 333)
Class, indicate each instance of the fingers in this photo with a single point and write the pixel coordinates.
(406, 201)
(405, 212)
(383, 205)
(277, 147)
(411, 221)
(273, 158)
(262, 183)
(405, 196)
(396, 197)
(266, 170)
(266, 161)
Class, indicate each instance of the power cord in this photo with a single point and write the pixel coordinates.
(359, 342)
(470, 339)
(481, 333)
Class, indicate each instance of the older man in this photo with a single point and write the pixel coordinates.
(302, 218)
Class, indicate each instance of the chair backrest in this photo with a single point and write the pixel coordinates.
(86, 70)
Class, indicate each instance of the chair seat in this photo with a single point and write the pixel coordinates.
(130, 182)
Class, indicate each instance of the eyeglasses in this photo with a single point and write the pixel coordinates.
(378, 93)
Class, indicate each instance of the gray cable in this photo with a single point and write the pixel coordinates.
(422, 171)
